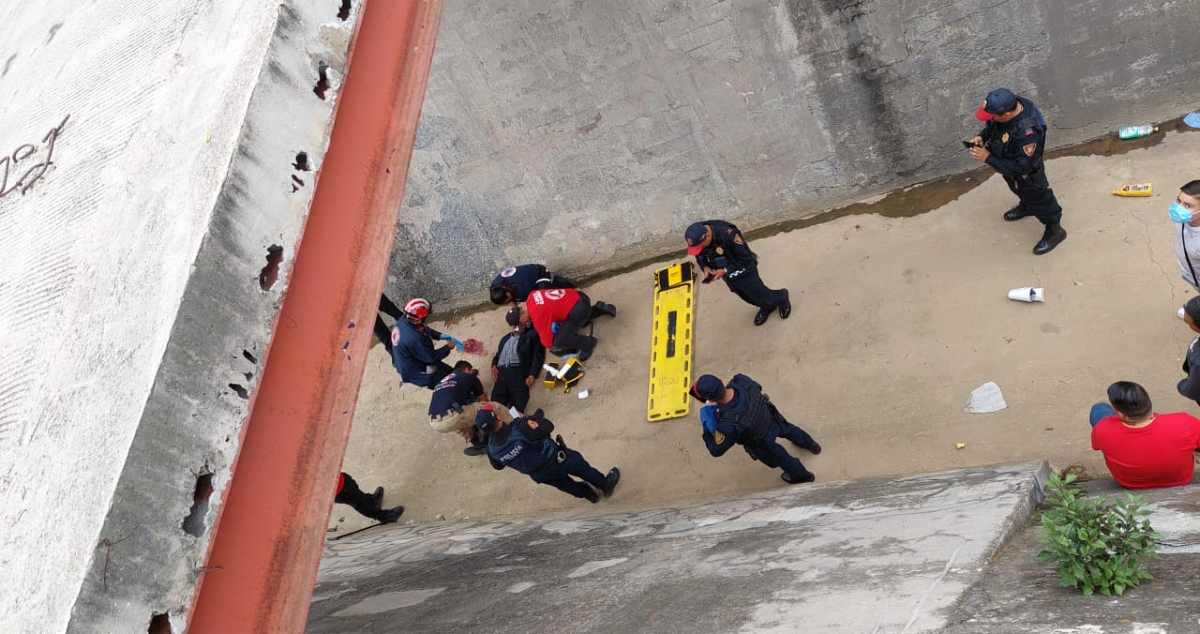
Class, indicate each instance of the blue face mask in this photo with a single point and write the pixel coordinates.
(1180, 214)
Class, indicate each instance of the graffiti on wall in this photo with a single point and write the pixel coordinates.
(42, 155)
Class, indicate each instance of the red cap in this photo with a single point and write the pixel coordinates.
(695, 249)
(984, 115)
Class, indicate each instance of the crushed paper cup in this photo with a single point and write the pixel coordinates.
(1027, 294)
(583, 394)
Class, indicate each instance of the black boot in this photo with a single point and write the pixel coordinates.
(1016, 213)
(807, 476)
(389, 516)
(611, 480)
(785, 309)
(760, 317)
(377, 498)
(602, 308)
(814, 448)
(474, 450)
(1051, 237)
(592, 496)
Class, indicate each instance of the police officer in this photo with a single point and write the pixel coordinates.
(455, 401)
(515, 283)
(524, 444)
(741, 413)
(413, 354)
(517, 363)
(1013, 141)
(721, 252)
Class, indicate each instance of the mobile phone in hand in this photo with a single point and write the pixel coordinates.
(969, 145)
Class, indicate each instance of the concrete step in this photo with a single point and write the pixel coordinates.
(882, 555)
(1021, 594)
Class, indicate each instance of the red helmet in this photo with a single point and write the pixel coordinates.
(418, 308)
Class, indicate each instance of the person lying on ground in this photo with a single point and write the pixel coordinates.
(1143, 449)
(517, 363)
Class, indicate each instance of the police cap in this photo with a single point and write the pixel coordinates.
(709, 388)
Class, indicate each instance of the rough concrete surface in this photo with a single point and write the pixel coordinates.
(588, 134)
(884, 556)
(1021, 595)
(132, 313)
(896, 320)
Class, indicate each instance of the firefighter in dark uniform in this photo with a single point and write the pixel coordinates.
(721, 252)
(525, 445)
(515, 283)
(742, 414)
(1013, 141)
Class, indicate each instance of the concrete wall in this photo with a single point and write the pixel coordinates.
(584, 134)
(887, 555)
(132, 313)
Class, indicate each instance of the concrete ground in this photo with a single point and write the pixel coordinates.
(1021, 594)
(896, 320)
(888, 556)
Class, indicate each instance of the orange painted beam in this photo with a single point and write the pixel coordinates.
(267, 542)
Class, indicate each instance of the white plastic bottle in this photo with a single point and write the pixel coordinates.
(1136, 131)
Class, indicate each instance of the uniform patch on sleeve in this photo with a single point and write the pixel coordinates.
(1029, 149)
(508, 272)
(719, 437)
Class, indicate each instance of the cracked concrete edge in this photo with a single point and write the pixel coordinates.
(1024, 511)
(146, 561)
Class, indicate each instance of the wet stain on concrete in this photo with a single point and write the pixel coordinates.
(1111, 145)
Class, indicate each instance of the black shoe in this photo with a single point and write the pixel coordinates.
(592, 496)
(760, 317)
(585, 352)
(791, 479)
(474, 450)
(1052, 237)
(785, 310)
(606, 309)
(389, 516)
(611, 480)
(1016, 213)
(814, 448)
(377, 498)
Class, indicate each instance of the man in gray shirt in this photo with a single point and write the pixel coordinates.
(1185, 212)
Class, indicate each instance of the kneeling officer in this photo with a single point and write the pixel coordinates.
(742, 414)
(525, 445)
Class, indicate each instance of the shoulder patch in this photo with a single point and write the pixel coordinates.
(719, 437)
(508, 272)
(554, 293)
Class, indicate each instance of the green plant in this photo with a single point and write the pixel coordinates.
(1099, 544)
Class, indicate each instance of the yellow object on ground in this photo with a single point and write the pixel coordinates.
(671, 342)
(1137, 190)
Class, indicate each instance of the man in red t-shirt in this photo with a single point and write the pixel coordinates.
(1143, 450)
(558, 314)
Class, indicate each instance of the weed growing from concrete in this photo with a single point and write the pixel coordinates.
(1099, 544)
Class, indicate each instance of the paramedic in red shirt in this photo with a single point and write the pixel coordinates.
(1143, 450)
(558, 314)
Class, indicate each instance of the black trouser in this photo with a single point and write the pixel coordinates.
(568, 338)
(554, 280)
(558, 475)
(362, 502)
(510, 389)
(769, 452)
(746, 284)
(1036, 196)
(382, 332)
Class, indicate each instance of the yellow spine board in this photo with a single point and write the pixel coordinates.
(671, 343)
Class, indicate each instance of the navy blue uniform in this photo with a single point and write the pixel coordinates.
(730, 251)
(382, 332)
(530, 450)
(454, 392)
(757, 429)
(1023, 171)
(414, 356)
(526, 278)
